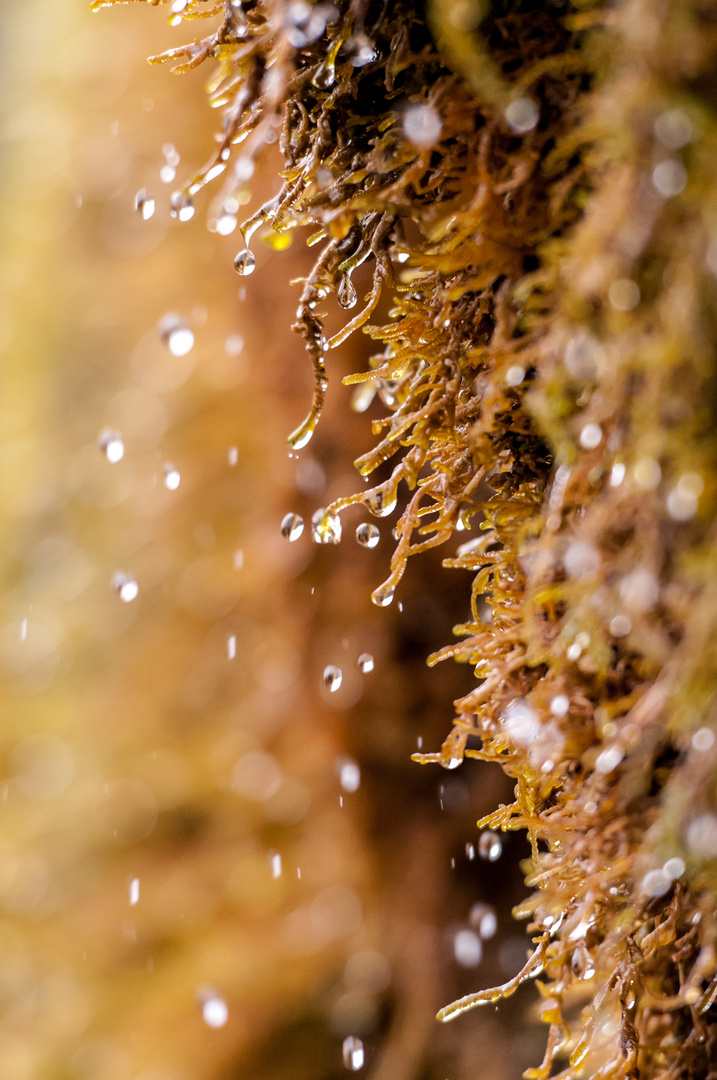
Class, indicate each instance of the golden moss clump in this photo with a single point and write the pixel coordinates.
(531, 185)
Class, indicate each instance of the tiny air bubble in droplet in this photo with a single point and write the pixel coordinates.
(490, 846)
(367, 534)
(332, 678)
(111, 445)
(126, 586)
(353, 1053)
(171, 478)
(245, 262)
(292, 526)
(365, 663)
(144, 204)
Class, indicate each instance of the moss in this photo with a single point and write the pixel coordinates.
(532, 187)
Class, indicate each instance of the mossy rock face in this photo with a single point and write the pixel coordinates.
(531, 186)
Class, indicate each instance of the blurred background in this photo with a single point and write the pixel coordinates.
(212, 865)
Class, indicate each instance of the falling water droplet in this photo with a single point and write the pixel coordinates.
(111, 445)
(181, 206)
(353, 1053)
(332, 678)
(365, 663)
(325, 527)
(215, 1011)
(275, 864)
(232, 647)
(134, 891)
(144, 204)
(171, 477)
(490, 846)
(292, 527)
(346, 295)
(245, 262)
(349, 775)
(367, 535)
(470, 852)
(581, 963)
(126, 586)
(176, 334)
(383, 595)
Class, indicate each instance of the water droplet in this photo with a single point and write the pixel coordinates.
(181, 206)
(381, 501)
(669, 178)
(383, 595)
(332, 678)
(325, 75)
(367, 535)
(522, 115)
(702, 740)
(126, 586)
(226, 224)
(470, 852)
(275, 864)
(559, 705)
(673, 129)
(111, 445)
(325, 527)
(134, 891)
(349, 775)
(467, 948)
(366, 663)
(144, 204)
(674, 867)
(244, 262)
(353, 1053)
(292, 527)
(490, 846)
(232, 647)
(581, 559)
(167, 174)
(451, 761)
(347, 295)
(624, 294)
(590, 436)
(215, 1011)
(171, 477)
(302, 435)
(422, 125)
(176, 334)
(582, 964)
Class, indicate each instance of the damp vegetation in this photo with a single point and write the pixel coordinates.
(530, 185)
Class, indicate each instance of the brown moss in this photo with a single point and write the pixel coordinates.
(547, 366)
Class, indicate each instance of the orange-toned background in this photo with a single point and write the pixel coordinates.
(125, 726)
